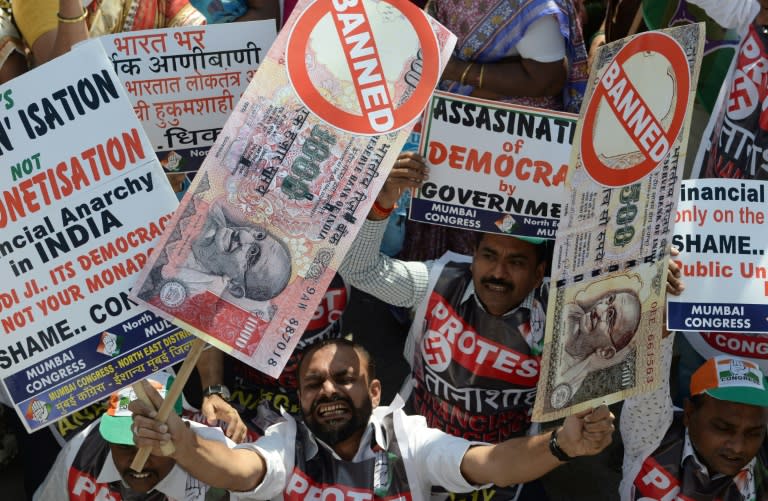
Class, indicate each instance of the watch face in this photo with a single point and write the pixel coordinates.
(218, 389)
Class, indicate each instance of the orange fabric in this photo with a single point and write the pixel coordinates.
(161, 14)
(704, 378)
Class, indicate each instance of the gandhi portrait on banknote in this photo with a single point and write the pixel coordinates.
(236, 260)
(603, 327)
(253, 263)
(598, 329)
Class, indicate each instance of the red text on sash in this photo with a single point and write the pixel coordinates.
(83, 487)
(657, 484)
(475, 353)
(302, 488)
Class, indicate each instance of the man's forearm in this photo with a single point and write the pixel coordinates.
(393, 281)
(217, 465)
(503, 464)
(523, 459)
(210, 367)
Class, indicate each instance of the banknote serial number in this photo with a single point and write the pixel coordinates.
(306, 167)
(286, 334)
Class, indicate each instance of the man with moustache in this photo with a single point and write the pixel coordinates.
(349, 448)
(477, 336)
(256, 398)
(598, 334)
(253, 264)
(604, 327)
(238, 261)
(95, 463)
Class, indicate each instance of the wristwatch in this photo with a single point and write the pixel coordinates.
(218, 389)
(555, 449)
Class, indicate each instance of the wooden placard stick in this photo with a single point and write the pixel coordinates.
(170, 398)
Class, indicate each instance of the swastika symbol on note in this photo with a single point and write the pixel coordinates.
(436, 351)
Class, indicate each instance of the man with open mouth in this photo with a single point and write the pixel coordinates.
(347, 447)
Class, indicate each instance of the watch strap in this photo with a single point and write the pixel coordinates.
(555, 449)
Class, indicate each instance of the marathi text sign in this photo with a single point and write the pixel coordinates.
(267, 220)
(84, 200)
(718, 231)
(184, 82)
(605, 309)
(494, 167)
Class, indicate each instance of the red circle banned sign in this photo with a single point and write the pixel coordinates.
(377, 38)
(645, 89)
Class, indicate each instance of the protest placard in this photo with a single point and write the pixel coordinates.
(752, 346)
(279, 198)
(184, 82)
(494, 167)
(605, 309)
(719, 229)
(83, 202)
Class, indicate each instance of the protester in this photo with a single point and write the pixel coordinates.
(345, 447)
(95, 464)
(623, 18)
(51, 27)
(249, 400)
(714, 449)
(533, 55)
(478, 332)
(739, 117)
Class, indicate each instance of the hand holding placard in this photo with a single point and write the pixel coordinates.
(173, 394)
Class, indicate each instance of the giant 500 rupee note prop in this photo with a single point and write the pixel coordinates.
(292, 175)
(606, 303)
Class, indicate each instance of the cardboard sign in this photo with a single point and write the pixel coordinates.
(720, 232)
(184, 82)
(84, 200)
(494, 167)
(631, 122)
(606, 302)
(266, 222)
(372, 44)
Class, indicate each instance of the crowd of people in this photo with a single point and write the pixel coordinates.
(322, 430)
